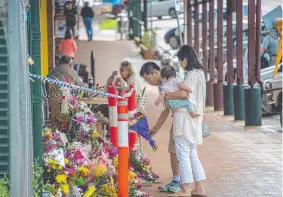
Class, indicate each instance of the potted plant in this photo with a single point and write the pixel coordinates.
(147, 45)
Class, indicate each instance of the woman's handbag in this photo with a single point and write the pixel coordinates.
(205, 130)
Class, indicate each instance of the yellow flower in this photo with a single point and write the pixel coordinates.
(84, 171)
(90, 190)
(95, 134)
(109, 189)
(112, 180)
(54, 164)
(131, 175)
(61, 179)
(66, 160)
(65, 189)
(115, 162)
(100, 170)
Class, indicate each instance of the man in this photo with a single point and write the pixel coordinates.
(270, 45)
(71, 16)
(151, 73)
(63, 70)
(87, 14)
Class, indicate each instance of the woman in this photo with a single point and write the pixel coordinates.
(128, 76)
(68, 45)
(187, 131)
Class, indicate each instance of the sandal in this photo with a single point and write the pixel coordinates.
(177, 195)
(199, 195)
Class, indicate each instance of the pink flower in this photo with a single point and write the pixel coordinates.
(80, 119)
(90, 120)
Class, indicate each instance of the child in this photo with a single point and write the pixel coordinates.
(172, 84)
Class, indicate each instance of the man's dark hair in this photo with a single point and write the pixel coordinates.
(68, 35)
(188, 52)
(65, 60)
(148, 68)
(168, 72)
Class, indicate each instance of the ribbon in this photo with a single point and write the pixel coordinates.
(70, 86)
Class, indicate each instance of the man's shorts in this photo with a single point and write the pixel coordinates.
(171, 146)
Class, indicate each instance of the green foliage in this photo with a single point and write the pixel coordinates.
(37, 181)
(148, 39)
(4, 187)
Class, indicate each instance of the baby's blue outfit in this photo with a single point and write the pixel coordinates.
(176, 104)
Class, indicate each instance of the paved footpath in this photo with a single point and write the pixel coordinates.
(239, 161)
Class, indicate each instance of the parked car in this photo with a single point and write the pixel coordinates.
(172, 37)
(272, 94)
(160, 8)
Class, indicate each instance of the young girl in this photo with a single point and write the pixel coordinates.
(172, 84)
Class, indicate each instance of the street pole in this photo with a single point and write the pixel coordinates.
(145, 15)
(253, 113)
(36, 87)
(189, 24)
(196, 23)
(204, 35)
(177, 10)
(218, 87)
(209, 85)
(228, 89)
(239, 98)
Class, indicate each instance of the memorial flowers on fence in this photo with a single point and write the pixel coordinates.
(78, 162)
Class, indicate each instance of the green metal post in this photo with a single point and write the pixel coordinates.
(253, 102)
(239, 102)
(36, 86)
(228, 99)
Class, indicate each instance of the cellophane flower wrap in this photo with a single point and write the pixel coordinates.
(138, 123)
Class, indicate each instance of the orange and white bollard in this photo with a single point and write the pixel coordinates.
(113, 124)
(132, 106)
(123, 147)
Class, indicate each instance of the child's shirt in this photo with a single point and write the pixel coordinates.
(171, 86)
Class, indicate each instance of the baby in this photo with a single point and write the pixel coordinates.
(171, 84)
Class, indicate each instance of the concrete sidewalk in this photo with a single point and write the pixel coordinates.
(239, 161)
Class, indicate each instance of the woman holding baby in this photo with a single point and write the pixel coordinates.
(187, 102)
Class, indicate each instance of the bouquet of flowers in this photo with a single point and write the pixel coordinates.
(138, 123)
(78, 162)
(141, 165)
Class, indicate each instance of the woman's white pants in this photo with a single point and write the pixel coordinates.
(189, 164)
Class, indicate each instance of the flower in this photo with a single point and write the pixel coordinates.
(99, 170)
(84, 171)
(66, 160)
(61, 179)
(90, 120)
(95, 134)
(65, 189)
(90, 190)
(108, 190)
(54, 164)
(80, 118)
(115, 162)
(132, 175)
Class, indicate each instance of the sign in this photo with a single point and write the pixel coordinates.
(177, 5)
